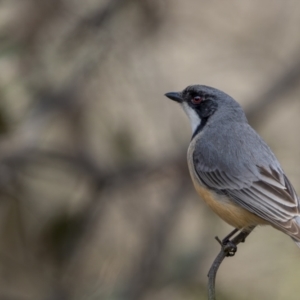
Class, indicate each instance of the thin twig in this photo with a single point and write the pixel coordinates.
(228, 249)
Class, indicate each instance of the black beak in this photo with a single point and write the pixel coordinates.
(174, 96)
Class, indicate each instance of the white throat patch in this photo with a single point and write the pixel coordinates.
(195, 120)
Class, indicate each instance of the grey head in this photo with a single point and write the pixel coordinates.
(204, 104)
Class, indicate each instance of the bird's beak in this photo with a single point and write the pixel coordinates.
(174, 96)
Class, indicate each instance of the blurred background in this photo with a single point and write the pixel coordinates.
(96, 200)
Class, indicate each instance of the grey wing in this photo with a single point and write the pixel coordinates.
(265, 196)
(258, 185)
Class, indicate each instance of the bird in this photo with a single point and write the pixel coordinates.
(232, 168)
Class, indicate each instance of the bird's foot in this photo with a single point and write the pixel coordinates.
(228, 246)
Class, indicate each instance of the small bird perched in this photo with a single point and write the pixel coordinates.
(232, 168)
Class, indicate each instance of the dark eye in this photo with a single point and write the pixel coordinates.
(197, 100)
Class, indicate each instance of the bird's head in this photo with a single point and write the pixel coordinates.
(201, 102)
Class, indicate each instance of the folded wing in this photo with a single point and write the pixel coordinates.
(267, 193)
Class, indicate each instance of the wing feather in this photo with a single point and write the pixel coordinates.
(226, 162)
(269, 194)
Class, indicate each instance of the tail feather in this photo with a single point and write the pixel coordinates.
(297, 221)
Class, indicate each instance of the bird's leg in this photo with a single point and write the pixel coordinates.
(226, 239)
(229, 245)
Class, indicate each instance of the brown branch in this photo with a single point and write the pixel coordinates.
(86, 165)
(228, 249)
(100, 16)
(287, 80)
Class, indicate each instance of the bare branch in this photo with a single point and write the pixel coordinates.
(228, 249)
(287, 80)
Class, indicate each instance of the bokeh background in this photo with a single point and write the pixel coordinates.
(96, 200)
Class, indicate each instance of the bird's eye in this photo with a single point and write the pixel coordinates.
(197, 100)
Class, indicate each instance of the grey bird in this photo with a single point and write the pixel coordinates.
(232, 168)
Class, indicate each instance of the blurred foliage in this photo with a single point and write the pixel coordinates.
(96, 199)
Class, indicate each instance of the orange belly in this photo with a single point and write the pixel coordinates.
(234, 215)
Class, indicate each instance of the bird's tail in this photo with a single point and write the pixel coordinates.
(297, 219)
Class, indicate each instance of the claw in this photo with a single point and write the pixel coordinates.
(228, 246)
